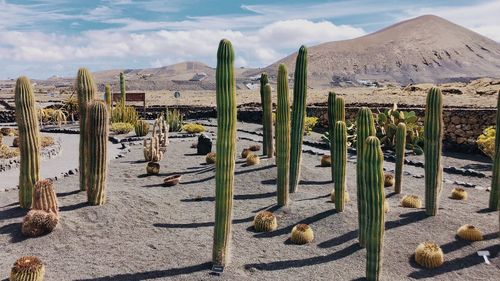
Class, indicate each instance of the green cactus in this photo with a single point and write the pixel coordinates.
(141, 128)
(86, 90)
(29, 140)
(298, 116)
(283, 136)
(226, 151)
(340, 153)
(122, 89)
(331, 125)
(495, 181)
(433, 139)
(264, 80)
(373, 172)
(268, 121)
(365, 128)
(400, 156)
(97, 144)
(339, 111)
(107, 97)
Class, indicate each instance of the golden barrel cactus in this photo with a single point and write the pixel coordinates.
(470, 233)
(411, 201)
(265, 221)
(302, 234)
(429, 255)
(27, 268)
(253, 159)
(458, 193)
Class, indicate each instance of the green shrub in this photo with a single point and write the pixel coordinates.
(193, 128)
(122, 128)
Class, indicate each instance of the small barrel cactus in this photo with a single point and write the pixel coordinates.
(470, 233)
(97, 150)
(141, 128)
(411, 201)
(153, 168)
(253, 159)
(388, 180)
(28, 268)
(400, 156)
(44, 197)
(302, 234)
(210, 158)
(38, 222)
(265, 221)
(458, 193)
(429, 255)
(326, 161)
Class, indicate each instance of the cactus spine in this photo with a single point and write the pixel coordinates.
(400, 156)
(226, 151)
(339, 111)
(331, 125)
(29, 140)
(97, 125)
(433, 137)
(108, 98)
(340, 159)
(122, 89)
(373, 172)
(298, 116)
(495, 181)
(263, 82)
(365, 128)
(283, 136)
(268, 120)
(86, 89)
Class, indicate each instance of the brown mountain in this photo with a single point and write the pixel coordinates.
(423, 49)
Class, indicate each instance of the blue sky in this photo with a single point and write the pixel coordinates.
(40, 38)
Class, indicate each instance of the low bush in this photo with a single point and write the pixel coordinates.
(486, 141)
(122, 128)
(7, 152)
(193, 128)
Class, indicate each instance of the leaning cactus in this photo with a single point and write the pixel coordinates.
(339, 145)
(86, 89)
(365, 129)
(97, 145)
(298, 116)
(283, 136)
(268, 121)
(263, 82)
(433, 139)
(495, 182)
(122, 90)
(373, 172)
(108, 98)
(400, 155)
(29, 144)
(226, 151)
(331, 125)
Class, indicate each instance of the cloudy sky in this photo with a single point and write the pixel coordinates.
(40, 38)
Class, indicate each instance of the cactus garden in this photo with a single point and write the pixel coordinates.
(302, 183)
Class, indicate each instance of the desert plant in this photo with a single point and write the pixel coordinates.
(331, 126)
(264, 80)
(252, 159)
(7, 152)
(340, 160)
(245, 153)
(374, 196)
(141, 128)
(411, 201)
(193, 128)
(38, 222)
(347, 198)
(86, 89)
(339, 111)
(486, 142)
(97, 123)
(388, 180)
(123, 93)
(254, 147)
(226, 151)
(268, 121)
(470, 233)
(29, 145)
(400, 156)
(326, 161)
(28, 268)
(429, 255)
(174, 120)
(433, 139)
(298, 116)
(46, 141)
(124, 114)
(153, 168)
(302, 234)
(265, 221)
(458, 193)
(365, 129)
(160, 130)
(152, 150)
(44, 197)
(282, 136)
(108, 97)
(211, 158)
(121, 128)
(70, 106)
(387, 122)
(495, 181)
(309, 123)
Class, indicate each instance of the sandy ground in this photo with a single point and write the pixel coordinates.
(146, 231)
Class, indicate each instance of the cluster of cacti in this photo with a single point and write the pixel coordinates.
(302, 234)
(458, 193)
(374, 196)
(141, 128)
(161, 129)
(226, 151)
(153, 168)
(429, 255)
(38, 222)
(122, 90)
(388, 180)
(411, 201)
(29, 147)
(265, 221)
(124, 114)
(108, 98)
(282, 129)
(97, 149)
(86, 89)
(27, 268)
(433, 138)
(268, 121)
(326, 161)
(494, 202)
(210, 158)
(298, 116)
(152, 150)
(44, 197)
(365, 129)
(264, 80)
(400, 156)
(253, 159)
(339, 153)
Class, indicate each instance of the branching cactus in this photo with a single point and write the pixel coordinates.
(400, 156)
(495, 182)
(283, 136)
(433, 139)
(97, 124)
(331, 125)
(108, 98)
(298, 117)
(29, 140)
(268, 120)
(122, 89)
(226, 152)
(340, 159)
(373, 172)
(264, 80)
(365, 129)
(86, 90)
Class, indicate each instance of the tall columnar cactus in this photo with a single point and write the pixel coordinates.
(400, 156)
(283, 136)
(264, 80)
(86, 90)
(122, 89)
(331, 125)
(365, 128)
(339, 112)
(108, 98)
(433, 139)
(29, 140)
(495, 182)
(97, 125)
(298, 116)
(226, 151)
(268, 121)
(339, 144)
(373, 172)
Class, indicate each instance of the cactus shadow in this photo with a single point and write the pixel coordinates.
(308, 182)
(12, 213)
(73, 207)
(315, 198)
(406, 219)
(64, 194)
(485, 211)
(253, 170)
(344, 238)
(14, 231)
(197, 224)
(236, 197)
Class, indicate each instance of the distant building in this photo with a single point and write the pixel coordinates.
(198, 77)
